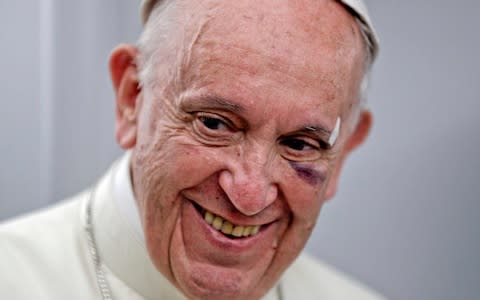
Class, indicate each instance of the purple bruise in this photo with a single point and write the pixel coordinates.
(308, 174)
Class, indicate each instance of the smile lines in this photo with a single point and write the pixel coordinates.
(228, 228)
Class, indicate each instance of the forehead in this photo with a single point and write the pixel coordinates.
(323, 23)
(309, 47)
(276, 28)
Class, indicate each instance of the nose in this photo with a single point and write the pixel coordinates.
(247, 181)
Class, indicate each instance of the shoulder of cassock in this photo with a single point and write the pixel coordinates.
(46, 254)
(309, 278)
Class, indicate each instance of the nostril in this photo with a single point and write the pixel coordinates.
(248, 190)
(249, 199)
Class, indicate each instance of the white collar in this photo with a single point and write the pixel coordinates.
(123, 195)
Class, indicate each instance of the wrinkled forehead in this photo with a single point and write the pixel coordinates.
(303, 42)
(316, 33)
(356, 8)
(291, 23)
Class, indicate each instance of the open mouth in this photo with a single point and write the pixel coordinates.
(227, 228)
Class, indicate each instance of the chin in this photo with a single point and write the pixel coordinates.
(200, 277)
(212, 282)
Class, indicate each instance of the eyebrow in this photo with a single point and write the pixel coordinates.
(211, 101)
(318, 130)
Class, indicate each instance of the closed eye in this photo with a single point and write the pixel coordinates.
(297, 144)
(302, 148)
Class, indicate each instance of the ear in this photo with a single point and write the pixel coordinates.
(356, 138)
(124, 75)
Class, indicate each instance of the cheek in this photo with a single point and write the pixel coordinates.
(304, 191)
(192, 164)
(311, 175)
(163, 173)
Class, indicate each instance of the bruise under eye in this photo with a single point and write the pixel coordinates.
(308, 174)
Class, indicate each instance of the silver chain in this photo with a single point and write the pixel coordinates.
(102, 282)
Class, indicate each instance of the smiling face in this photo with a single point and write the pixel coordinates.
(231, 158)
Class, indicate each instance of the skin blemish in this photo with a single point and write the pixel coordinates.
(308, 174)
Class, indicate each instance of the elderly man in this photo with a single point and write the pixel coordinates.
(238, 116)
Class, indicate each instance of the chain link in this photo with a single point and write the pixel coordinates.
(102, 282)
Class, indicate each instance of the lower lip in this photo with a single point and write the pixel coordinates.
(219, 240)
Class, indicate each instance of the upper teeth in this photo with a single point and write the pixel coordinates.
(228, 228)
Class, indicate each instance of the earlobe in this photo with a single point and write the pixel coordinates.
(124, 75)
(356, 138)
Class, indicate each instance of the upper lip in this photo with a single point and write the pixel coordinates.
(234, 218)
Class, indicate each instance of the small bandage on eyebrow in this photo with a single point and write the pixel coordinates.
(334, 136)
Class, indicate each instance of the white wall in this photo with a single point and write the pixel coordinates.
(406, 218)
(56, 125)
(23, 127)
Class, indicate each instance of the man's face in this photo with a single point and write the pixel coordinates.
(231, 163)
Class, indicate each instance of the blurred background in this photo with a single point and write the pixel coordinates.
(406, 220)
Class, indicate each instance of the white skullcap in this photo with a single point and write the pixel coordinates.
(358, 7)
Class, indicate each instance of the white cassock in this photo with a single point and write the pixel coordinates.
(47, 254)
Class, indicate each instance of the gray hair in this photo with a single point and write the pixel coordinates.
(368, 63)
(155, 33)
